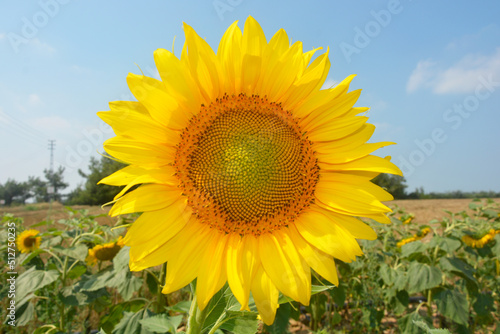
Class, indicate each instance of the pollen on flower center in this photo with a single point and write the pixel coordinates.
(245, 165)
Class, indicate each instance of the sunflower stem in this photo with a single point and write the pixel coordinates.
(161, 297)
(196, 316)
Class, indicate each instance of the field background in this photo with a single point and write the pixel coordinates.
(424, 210)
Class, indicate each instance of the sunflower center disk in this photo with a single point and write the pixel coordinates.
(245, 166)
(29, 242)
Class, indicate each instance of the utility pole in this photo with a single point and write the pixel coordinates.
(52, 145)
(51, 187)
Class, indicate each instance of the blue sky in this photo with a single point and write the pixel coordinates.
(429, 70)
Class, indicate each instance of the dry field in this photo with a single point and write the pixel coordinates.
(424, 210)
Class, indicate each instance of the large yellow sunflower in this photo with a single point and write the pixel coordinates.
(250, 173)
(28, 241)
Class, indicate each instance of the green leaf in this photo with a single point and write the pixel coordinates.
(413, 248)
(407, 326)
(152, 283)
(314, 290)
(76, 271)
(338, 295)
(182, 307)
(78, 252)
(484, 304)
(30, 256)
(422, 277)
(449, 245)
(241, 322)
(126, 283)
(402, 301)
(401, 280)
(387, 273)
(130, 323)
(453, 304)
(458, 266)
(95, 282)
(428, 330)
(32, 280)
(491, 214)
(216, 307)
(281, 321)
(121, 260)
(495, 249)
(162, 323)
(24, 313)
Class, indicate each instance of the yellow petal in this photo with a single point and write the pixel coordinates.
(369, 163)
(253, 44)
(183, 266)
(354, 225)
(164, 175)
(319, 230)
(337, 129)
(148, 197)
(322, 101)
(349, 193)
(265, 295)
(312, 79)
(162, 106)
(242, 263)
(229, 54)
(177, 80)
(158, 226)
(212, 272)
(285, 267)
(205, 66)
(139, 153)
(321, 262)
(127, 106)
(278, 78)
(339, 159)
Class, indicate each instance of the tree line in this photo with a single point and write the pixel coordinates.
(14, 192)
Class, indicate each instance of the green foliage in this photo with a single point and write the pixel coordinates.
(438, 280)
(394, 184)
(92, 193)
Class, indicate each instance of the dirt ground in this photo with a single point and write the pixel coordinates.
(424, 210)
(35, 213)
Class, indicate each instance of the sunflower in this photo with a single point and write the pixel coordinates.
(104, 252)
(28, 242)
(249, 172)
(480, 242)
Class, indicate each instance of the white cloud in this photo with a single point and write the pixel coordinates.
(34, 100)
(421, 76)
(41, 47)
(461, 77)
(2, 36)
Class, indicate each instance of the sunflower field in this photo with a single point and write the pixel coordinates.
(73, 276)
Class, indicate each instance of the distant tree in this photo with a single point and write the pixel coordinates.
(56, 180)
(14, 192)
(38, 189)
(91, 193)
(394, 184)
